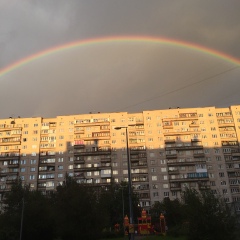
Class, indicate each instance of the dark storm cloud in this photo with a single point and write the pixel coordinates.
(30, 26)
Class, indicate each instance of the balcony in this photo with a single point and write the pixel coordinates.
(174, 133)
(134, 151)
(170, 156)
(189, 179)
(226, 124)
(193, 125)
(173, 172)
(46, 163)
(204, 187)
(198, 155)
(8, 143)
(167, 126)
(170, 140)
(87, 124)
(183, 148)
(183, 117)
(236, 154)
(196, 140)
(185, 162)
(137, 165)
(105, 160)
(13, 165)
(79, 146)
(79, 161)
(48, 169)
(175, 187)
(10, 155)
(93, 153)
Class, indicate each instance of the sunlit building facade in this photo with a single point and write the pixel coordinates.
(169, 150)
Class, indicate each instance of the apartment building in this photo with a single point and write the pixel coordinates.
(169, 150)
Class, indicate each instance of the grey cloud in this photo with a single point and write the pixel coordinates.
(129, 74)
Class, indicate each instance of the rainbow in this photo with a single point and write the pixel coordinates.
(81, 43)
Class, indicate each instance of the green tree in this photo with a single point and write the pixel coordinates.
(36, 217)
(115, 200)
(173, 212)
(77, 211)
(208, 216)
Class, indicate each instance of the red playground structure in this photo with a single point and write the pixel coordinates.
(144, 224)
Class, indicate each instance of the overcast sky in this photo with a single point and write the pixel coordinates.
(117, 76)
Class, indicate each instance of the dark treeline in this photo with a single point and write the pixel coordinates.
(74, 211)
(78, 211)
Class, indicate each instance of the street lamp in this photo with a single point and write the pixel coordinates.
(129, 179)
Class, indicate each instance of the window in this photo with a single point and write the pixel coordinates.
(217, 150)
(155, 194)
(166, 194)
(165, 185)
(60, 159)
(152, 154)
(154, 178)
(33, 169)
(152, 162)
(60, 175)
(212, 183)
(220, 166)
(22, 170)
(60, 167)
(223, 183)
(70, 167)
(221, 174)
(224, 191)
(22, 162)
(32, 177)
(174, 193)
(163, 169)
(33, 161)
(153, 169)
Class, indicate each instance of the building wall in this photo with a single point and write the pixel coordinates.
(169, 150)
